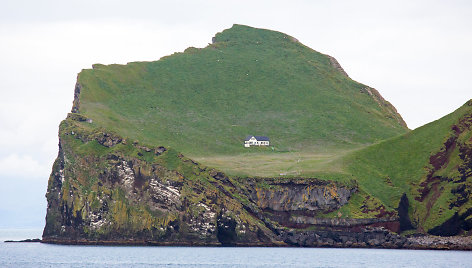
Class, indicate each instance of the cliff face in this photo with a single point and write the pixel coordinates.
(449, 175)
(106, 189)
(121, 178)
(428, 171)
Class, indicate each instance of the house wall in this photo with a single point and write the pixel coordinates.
(254, 142)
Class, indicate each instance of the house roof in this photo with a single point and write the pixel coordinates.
(259, 138)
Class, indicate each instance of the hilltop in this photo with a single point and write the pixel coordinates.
(152, 154)
(248, 81)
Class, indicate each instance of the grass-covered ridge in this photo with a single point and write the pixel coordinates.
(203, 102)
(430, 164)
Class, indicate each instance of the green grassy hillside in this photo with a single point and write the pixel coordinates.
(203, 102)
(431, 164)
(322, 124)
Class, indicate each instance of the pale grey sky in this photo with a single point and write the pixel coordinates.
(416, 53)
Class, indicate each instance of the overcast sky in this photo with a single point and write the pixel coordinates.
(416, 53)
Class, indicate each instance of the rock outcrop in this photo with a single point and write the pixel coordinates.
(336, 65)
(106, 190)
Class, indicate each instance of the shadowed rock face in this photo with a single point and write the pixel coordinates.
(404, 218)
(295, 202)
(454, 225)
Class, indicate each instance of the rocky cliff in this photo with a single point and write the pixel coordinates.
(122, 176)
(107, 189)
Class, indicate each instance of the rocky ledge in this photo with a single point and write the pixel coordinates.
(377, 237)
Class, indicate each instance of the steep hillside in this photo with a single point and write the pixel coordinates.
(152, 153)
(204, 102)
(431, 165)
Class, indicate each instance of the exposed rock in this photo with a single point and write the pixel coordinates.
(373, 237)
(438, 242)
(385, 105)
(159, 150)
(454, 225)
(341, 222)
(77, 117)
(294, 195)
(76, 102)
(226, 230)
(204, 223)
(140, 201)
(107, 139)
(405, 222)
(336, 65)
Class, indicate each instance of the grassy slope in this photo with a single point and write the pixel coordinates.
(398, 165)
(203, 102)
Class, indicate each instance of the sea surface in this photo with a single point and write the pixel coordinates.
(43, 255)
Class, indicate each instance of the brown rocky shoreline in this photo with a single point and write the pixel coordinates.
(440, 242)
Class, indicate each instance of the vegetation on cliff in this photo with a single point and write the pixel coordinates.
(152, 153)
(431, 164)
(105, 187)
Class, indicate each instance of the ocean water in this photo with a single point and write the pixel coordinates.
(43, 255)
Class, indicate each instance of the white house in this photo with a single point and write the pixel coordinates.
(256, 141)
